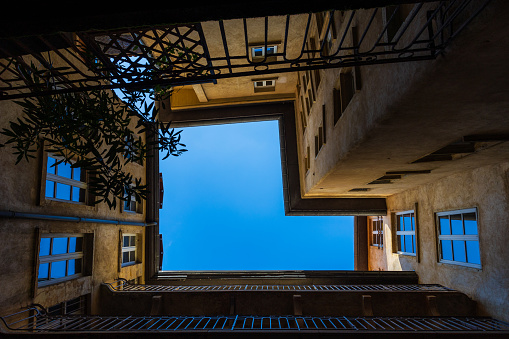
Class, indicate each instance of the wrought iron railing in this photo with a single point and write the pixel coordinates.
(36, 320)
(203, 52)
(123, 285)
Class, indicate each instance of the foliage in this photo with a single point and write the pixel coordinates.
(92, 130)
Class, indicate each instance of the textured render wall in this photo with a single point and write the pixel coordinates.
(486, 188)
(20, 187)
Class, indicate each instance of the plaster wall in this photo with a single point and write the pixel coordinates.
(485, 188)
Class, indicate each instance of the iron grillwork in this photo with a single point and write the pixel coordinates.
(35, 319)
(203, 52)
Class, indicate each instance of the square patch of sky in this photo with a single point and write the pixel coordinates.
(223, 207)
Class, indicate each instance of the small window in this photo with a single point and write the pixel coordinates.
(63, 182)
(260, 52)
(377, 232)
(132, 153)
(458, 239)
(128, 249)
(131, 205)
(60, 258)
(405, 233)
(76, 306)
(266, 85)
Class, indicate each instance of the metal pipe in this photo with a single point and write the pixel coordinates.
(11, 214)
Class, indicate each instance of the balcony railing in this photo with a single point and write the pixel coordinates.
(123, 285)
(36, 319)
(202, 52)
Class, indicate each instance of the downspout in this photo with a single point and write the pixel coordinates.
(22, 215)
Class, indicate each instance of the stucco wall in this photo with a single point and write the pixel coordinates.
(485, 188)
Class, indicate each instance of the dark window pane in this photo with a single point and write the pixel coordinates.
(73, 306)
(401, 244)
(63, 192)
(126, 241)
(456, 224)
(78, 265)
(470, 223)
(133, 240)
(258, 51)
(59, 245)
(50, 168)
(444, 225)
(414, 244)
(55, 309)
(125, 257)
(64, 170)
(446, 249)
(132, 256)
(45, 246)
(50, 189)
(400, 223)
(271, 50)
(473, 254)
(458, 247)
(43, 272)
(58, 269)
(259, 83)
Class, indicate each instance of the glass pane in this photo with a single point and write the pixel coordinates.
(446, 249)
(78, 265)
(456, 224)
(75, 244)
(271, 50)
(257, 51)
(470, 223)
(59, 245)
(126, 241)
(408, 222)
(50, 189)
(127, 206)
(408, 243)
(43, 272)
(444, 225)
(76, 193)
(412, 218)
(473, 254)
(132, 256)
(125, 257)
(415, 246)
(259, 84)
(45, 246)
(58, 269)
(458, 247)
(64, 170)
(401, 243)
(71, 267)
(133, 240)
(50, 168)
(63, 192)
(76, 173)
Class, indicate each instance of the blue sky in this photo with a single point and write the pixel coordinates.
(223, 207)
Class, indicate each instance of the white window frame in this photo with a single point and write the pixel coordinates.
(265, 83)
(406, 233)
(57, 179)
(457, 237)
(131, 248)
(52, 258)
(378, 233)
(263, 50)
(137, 205)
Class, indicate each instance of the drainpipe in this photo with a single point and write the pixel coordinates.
(11, 214)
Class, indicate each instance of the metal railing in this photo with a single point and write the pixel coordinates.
(123, 285)
(36, 319)
(203, 52)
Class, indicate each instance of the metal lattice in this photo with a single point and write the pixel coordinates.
(204, 52)
(36, 320)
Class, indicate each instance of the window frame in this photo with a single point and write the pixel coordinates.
(262, 85)
(138, 209)
(457, 237)
(58, 179)
(406, 233)
(263, 49)
(376, 234)
(129, 249)
(52, 258)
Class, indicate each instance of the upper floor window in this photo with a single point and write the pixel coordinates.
(377, 231)
(64, 183)
(264, 85)
(128, 249)
(405, 232)
(458, 238)
(60, 258)
(259, 52)
(132, 205)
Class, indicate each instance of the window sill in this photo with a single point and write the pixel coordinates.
(460, 264)
(48, 202)
(413, 255)
(51, 282)
(129, 264)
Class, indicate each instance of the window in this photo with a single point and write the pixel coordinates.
(131, 205)
(74, 306)
(132, 152)
(343, 94)
(267, 85)
(458, 239)
(128, 249)
(64, 183)
(260, 52)
(60, 258)
(405, 232)
(377, 232)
